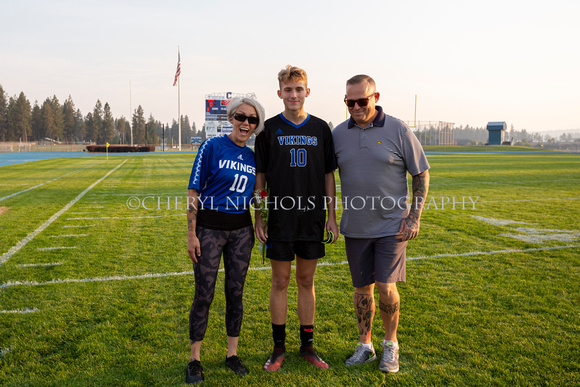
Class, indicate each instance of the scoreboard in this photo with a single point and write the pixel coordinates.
(216, 109)
(216, 112)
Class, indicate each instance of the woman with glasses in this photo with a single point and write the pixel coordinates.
(219, 222)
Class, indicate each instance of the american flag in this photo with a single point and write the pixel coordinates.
(178, 72)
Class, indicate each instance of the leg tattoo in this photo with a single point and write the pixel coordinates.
(389, 308)
(365, 310)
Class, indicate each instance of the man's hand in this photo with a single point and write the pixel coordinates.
(409, 228)
(410, 225)
(331, 226)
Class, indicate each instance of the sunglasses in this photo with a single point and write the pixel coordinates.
(251, 120)
(362, 102)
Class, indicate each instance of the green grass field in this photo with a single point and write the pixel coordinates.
(93, 292)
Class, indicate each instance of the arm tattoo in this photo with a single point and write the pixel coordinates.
(365, 311)
(420, 186)
(192, 216)
(389, 308)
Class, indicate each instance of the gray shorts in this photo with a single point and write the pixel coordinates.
(376, 260)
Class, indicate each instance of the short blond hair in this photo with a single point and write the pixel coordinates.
(292, 73)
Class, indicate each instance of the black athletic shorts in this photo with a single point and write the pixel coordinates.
(286, 251)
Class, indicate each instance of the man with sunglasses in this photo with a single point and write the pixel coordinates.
(374, 153)
(295, 161)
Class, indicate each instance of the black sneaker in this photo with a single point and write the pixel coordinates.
(194, 372)
(234, 363)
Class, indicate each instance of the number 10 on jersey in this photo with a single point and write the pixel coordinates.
(298, 157)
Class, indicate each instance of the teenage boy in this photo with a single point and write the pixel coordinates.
(295, 161)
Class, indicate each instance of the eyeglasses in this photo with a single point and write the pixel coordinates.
(251, 120)
(362, 102)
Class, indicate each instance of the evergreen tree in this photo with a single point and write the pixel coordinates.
(80, 127)
(3, 114)
(37, 128)
(69, 120)
(47, 121)
(138, 126)
(185, 130)
(173, 133)
(108, 124)
(89, 128)
(57, 112)
(96, 130)
(19, 119)
(122, 127)
(153, 127)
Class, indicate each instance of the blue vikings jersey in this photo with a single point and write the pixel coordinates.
(224, 175)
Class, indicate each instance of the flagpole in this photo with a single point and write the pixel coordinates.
(130, 114)
(179, 101)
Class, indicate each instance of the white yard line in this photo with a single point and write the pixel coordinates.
(40, 264)
(6, 256)
(19, 311)
(69, 236)
(46, 182)
(79, 226)
(160, 275)
(55, 248)
(126, 217)
(508, 251)
(555, 200)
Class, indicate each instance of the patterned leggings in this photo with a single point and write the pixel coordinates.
(236, 247)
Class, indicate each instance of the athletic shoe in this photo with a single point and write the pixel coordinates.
(194, 372)
(361, 355)
(234, 363)
(390, 359)
(275, 361)
(310, 355)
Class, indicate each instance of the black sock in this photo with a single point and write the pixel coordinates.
(306, 335)
(279, 335)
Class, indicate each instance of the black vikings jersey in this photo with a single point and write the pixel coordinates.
(295, 159)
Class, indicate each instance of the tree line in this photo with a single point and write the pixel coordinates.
(54, 121)
(469, 135)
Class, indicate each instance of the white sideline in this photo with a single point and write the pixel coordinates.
(160, 275)
(6, 256)
(41, 184)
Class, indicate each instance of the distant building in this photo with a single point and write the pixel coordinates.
(496, 132)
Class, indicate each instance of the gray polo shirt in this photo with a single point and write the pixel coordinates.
(373, 163)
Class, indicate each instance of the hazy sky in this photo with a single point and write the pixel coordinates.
(468, 62)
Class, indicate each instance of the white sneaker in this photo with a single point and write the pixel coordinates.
(361, 355)
(390, 359)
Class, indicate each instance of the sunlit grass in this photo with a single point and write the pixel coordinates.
(506, 318)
